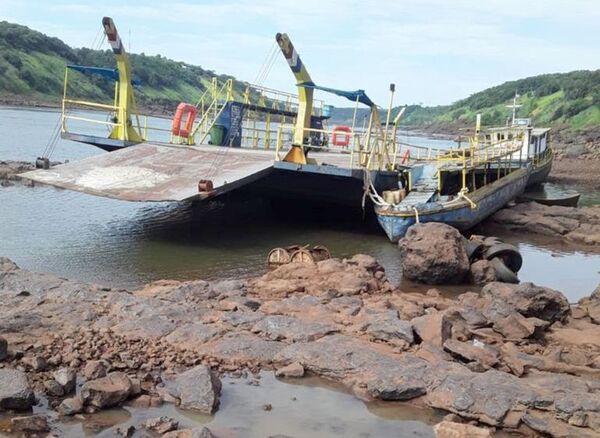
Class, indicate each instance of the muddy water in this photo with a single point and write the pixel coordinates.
(307, 407)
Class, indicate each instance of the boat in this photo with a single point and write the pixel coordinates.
(535, 143)
(460, 187)
(461, 210)
(552, 197)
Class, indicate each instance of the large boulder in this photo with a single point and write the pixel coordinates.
(15, 392)
(107, 391)
(434, 253)
(197, 388)
(529, 300)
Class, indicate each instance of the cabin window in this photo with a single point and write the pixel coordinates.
(510, 136)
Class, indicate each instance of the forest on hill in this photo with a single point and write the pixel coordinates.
(32, 68)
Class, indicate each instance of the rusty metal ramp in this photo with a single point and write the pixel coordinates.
(151, 172)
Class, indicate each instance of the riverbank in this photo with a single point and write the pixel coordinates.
(582, 171)
(503, 359)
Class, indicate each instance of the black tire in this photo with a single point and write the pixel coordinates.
(474, 249)
(503, 274)
(509, 254)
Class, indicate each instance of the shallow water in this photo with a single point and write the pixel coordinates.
(307, 407)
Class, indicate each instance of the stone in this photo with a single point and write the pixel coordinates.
(30, 424)
(107, 391)
(448, 429)
(243, 347)
(486, 397)
(161, 425)
(35, 363)
(516, 326)
(295, 369)
(66, 378)
(53, 388)
(475, 351)
(3, 349)
(94, 369)
(145, 401)
(7, 265)
(433, 253)
(15, 392)
(279, 327)
(197, 388)
(71, 406)
(198, 432)
(530, 300)
(388, 327)
(433, 329)
(482, 272)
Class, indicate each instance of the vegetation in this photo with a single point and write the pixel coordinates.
(32, 65)
(561, 100)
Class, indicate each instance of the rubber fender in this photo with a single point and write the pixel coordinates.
(503, 274)
(509, 254)
(474, 249)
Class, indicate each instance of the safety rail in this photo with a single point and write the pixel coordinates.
(543, 158)
(276, 99)
(360, 155)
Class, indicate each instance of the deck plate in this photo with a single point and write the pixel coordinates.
(150, 172)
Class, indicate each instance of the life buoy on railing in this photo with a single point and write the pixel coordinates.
(405, 156)
(190, 111)
(345, 140)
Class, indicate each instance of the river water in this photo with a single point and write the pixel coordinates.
(125, 244)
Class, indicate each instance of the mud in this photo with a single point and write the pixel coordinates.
(515, 357)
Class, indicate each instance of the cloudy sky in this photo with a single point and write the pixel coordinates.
(436, 51)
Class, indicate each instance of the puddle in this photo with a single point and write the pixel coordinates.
(307, 407)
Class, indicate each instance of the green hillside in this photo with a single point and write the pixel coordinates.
(560, 100)
(32, 68)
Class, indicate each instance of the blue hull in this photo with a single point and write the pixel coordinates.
(490, 199)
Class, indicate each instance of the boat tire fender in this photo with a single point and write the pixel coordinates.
(503, 274)
(509, 254)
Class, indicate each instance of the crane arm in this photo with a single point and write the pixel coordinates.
(305, 97)
(123, 129)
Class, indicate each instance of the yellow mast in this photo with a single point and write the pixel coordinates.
(305, 98)
(123, 129)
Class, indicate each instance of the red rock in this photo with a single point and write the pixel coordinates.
(433, 329)
(448, 429)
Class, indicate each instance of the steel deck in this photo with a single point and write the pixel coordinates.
(160, 172)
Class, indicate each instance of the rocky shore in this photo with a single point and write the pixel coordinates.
(10, 170)
(515, 358)
(582, 171)
(575, 224)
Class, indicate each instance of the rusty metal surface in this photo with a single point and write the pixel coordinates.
(149, 172)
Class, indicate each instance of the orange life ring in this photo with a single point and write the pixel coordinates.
(191, 111)
(405, 156)
(345, 141)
